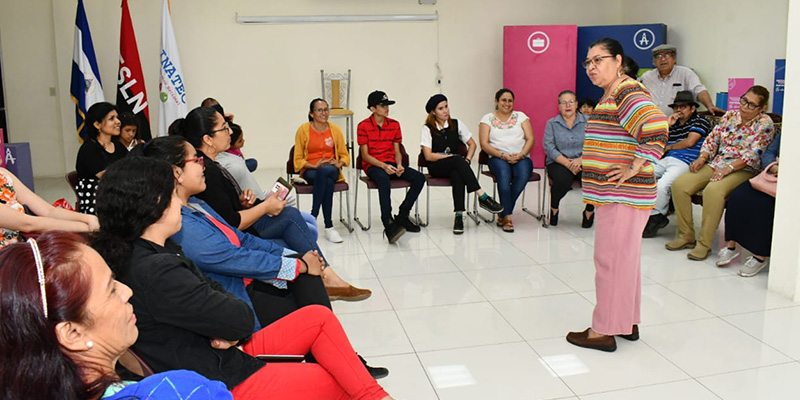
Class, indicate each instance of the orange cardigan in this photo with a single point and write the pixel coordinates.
(301, 147)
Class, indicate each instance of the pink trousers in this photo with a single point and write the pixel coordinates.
(617, 261)
(339, 375)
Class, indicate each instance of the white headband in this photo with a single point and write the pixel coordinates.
(39, 272)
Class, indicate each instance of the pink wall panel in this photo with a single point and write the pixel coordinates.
(539, 61)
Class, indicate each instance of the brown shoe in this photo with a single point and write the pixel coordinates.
(501, 221)
(350, 293)
(634, 336)
(603, 343)
(680, 244)
(699, 253)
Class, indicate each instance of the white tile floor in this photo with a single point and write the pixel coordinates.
(483, 315)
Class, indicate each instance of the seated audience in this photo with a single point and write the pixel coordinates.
(441, 137)
(97, 152)
(730, 155)
(66, 322)
(187, 320)
(233, 262)
(563, 147)
(506, 137)
(238, 169)
(379, 139)
(129, 130)
(319, 155)
(748, 219)
(586, 107)
(14, 222)
(687, 131)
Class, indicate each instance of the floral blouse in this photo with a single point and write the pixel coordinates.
(729, 141)
(8, 198)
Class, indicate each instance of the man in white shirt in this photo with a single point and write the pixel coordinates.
(668, 79)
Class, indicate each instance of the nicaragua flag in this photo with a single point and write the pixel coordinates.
(172, 94)
(86, 88)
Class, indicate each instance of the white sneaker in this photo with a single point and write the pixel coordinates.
(726, 255)
(332, 236)
(752, 267)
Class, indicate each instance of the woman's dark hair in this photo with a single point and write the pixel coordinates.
(311, 107)
(198, 123)
(171, 149)
(630, 67)
(236, 132)
(762, 92)
(96, 113)
(34, 366)
(127, 118)
(611, 45)
(587, 101)
(132, 195)
(563, 92)
(501, 92)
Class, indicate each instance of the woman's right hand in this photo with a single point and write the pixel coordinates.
(313, 263)
(273, 206)
(697, 164)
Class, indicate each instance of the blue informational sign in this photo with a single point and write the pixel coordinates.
(637, 41)
(780, 76)
(18, 161)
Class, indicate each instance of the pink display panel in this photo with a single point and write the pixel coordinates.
(737, 87)
(539, 61)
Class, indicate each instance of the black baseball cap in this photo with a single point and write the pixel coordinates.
(378, 97)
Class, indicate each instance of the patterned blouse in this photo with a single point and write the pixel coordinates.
(623, 126)
(729, 141)
(8, 198)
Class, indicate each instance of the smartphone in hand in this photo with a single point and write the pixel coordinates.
(282, 188)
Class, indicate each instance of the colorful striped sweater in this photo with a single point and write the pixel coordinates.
(623, 126)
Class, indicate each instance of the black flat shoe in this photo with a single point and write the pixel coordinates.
(634, 336)
(375, 372)
(553, 219)
(587, 222)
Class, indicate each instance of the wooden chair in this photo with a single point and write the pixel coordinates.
(339, 187)
(336, 91)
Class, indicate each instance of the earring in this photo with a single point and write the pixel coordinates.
(180, 179)
(619, 73)
(89, 344)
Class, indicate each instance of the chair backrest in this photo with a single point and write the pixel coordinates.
(135, 364)
(406, 159)
(290, 163)
(336, 89)
(423, 163)
(483, 158)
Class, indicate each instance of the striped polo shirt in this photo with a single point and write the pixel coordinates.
(623, 126)
(679, 131)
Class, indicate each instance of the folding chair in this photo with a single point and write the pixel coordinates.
(395, 184)
(483, 169)
(441, 182)
(339, 187)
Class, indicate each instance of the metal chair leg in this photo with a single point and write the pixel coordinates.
(349, 223)
(355, 208)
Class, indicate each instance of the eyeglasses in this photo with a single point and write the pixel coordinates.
(594, 61)
(225, 127)
(323, 110)
(198, 160)
(567, 103)
(663, 56)
(748, 105)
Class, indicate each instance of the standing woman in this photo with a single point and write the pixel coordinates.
(563, 146)
(97, 152)
(319, 155)
(507, 137)
(625, 137)
(440, 139)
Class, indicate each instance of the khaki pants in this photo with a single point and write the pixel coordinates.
(714, 195)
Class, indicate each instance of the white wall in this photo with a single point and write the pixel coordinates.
(720, 39)
(267, 75)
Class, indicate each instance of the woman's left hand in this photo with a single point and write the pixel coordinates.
(94, 224)
(720, 173)
(222, 344)
(247, 198)
(621, 173)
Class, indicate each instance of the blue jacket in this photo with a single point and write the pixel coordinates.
(172, 385)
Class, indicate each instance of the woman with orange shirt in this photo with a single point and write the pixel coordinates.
(320, 153)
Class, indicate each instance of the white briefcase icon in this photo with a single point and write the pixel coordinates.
(538, 42)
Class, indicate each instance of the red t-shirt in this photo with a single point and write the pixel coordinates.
(380, 140)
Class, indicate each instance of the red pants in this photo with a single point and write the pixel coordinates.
(339, 374)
